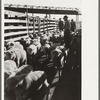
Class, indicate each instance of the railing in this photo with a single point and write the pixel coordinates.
(40, 7)
(18, 25)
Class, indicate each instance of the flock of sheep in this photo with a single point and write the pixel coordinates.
(24, 73)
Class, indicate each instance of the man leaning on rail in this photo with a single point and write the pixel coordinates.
(73, 25)
(60, 24)
(66, 32)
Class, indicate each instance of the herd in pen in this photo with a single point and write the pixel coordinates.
(25, 62)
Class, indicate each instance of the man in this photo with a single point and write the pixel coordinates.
(73, 25)
(66, 32)
(60, 24)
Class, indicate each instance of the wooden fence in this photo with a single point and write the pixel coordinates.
(18, 25)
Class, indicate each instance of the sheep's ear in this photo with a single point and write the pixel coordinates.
(13, 55)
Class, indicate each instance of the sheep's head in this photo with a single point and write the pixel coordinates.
(7, 55)
(32, 49)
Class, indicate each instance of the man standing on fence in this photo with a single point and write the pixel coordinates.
(60, 24)
(66, 32)
(73, 25)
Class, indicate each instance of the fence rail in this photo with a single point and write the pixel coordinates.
(18, 26)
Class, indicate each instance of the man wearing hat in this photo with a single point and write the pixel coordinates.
(66, 32)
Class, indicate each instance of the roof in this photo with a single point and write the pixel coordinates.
(41, 9)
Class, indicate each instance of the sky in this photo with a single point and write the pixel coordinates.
(54, 3)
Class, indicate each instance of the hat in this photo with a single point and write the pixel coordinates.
(65, 17)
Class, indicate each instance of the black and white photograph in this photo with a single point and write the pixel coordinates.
(42, 48)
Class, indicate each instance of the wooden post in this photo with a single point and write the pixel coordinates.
(39, 25)
(33, 23)
(27, 24)
(47, 24)
(46, 18)
(47, 21)
(55, 25)
(43, 24)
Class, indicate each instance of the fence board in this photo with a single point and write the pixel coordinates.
(17, 25)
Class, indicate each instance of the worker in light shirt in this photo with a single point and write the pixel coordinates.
(66, 32)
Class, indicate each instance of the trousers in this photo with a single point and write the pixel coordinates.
(67, 38)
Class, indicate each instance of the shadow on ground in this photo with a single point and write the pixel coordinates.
(69, 84)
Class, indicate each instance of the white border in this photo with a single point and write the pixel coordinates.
(2, 50)
(90, 50)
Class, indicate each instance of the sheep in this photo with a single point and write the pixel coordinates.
(26, 82)
(31, 84)
(9, 68)
(19, 56)
(58, 58)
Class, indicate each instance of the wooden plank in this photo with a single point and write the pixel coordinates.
(51, 28)
(17, 38)
(51, 22)
(38, 25)
(48, 21)
(16, 33)
(43, 24)
(27, 21)
(42, 30)
(48, 27)
(41, 19)
(16, 27)
(14, 21)
(52, 25)
(14, 13)
(36, 31)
